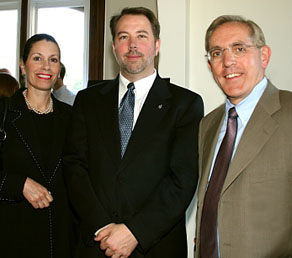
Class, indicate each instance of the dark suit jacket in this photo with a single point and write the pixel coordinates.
(25, 231)
(151, 187)
(255, 205)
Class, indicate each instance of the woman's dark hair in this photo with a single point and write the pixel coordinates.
(36, 38)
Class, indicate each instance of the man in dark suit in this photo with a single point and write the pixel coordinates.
(131, 198)
(248, 215)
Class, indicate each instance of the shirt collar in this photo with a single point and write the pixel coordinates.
(141, 86)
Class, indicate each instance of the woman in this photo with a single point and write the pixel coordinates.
(34, 213)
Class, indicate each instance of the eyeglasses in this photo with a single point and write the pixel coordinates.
(237, 49)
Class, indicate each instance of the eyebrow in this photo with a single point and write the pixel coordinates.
(139, 31)
(232, 44)
(143, 31)
(37, 53)
(216, 47)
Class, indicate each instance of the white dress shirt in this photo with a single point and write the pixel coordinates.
(142, 88)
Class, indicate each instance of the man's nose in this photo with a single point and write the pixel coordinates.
(133, 43)
(228, 58)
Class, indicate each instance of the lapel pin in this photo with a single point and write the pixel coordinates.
(160, 106)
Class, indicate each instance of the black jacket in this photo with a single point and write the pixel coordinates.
(151, 187)
(25, 231)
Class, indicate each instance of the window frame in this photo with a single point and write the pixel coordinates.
(12, 5)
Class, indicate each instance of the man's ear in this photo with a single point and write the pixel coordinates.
(209, 65)
(265, 55)
(114, 48)
(157, 46)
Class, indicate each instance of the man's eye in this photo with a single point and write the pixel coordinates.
(216, 53)
(239, 49)
(142, 36)
(122, 37)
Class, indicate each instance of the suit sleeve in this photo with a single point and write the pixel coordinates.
(169, 201)
(80, 190)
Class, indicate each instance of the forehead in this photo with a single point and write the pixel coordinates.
(44, 47)
(229, 33)
(130, 23)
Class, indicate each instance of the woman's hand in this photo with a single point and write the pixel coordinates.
(37, 195)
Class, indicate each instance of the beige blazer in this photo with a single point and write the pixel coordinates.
(255, 207)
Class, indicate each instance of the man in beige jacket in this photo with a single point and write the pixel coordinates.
(253, 214)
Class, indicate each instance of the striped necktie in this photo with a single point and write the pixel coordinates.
(126, 116)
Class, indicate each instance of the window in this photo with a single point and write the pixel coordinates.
(9, 12)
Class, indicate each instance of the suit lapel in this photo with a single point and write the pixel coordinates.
(258, 131)
(154, 109)
(26, 131)
(209, 138)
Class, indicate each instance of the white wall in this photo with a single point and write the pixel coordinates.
(173, 57)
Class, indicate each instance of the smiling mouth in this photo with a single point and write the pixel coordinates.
(232, 75)
(44, 76)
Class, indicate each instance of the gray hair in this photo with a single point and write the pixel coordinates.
(256, 32)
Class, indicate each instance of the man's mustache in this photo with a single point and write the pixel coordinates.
(133, 53)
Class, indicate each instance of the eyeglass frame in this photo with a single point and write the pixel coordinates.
(230, 47)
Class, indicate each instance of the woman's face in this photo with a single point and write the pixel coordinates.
(42, 66)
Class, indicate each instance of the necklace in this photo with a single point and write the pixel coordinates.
(37, 111)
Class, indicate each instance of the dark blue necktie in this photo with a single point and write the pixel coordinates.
(126, 116)
(208, 233)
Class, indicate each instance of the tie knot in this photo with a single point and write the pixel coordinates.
(131, 86)
(232, 113)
